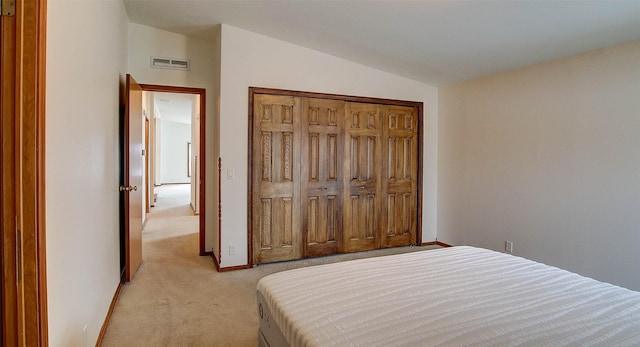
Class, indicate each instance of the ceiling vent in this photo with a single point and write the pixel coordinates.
(170, 63)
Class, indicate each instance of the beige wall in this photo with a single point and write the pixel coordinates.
(86, 63)
(250, 59)
(548, 157)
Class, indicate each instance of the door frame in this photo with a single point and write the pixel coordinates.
(349, 98)
(202, 93)
(146, 167)
(22, 230)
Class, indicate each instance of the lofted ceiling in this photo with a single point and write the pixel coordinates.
(435, 42)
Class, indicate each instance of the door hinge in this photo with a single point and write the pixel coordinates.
(8, 7)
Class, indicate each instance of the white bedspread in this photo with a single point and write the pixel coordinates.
(459, 296)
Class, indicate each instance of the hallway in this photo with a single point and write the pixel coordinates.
(172, 214)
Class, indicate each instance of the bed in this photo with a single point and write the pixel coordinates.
(458, 296)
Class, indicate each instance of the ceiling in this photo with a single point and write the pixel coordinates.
(435, 42)
(174, 107)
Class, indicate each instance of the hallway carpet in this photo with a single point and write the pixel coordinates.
(177, 298)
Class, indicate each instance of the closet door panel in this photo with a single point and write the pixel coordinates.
(322, 156)
(400, 168)
(275, 179)
(362, 181)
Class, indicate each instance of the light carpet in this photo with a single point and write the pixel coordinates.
(177, 298)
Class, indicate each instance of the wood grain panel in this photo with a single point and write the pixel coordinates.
(275, 191)
(133, 176)
(286, 114)
(357, 182)
(332, 157)
(312, 220)
(332, 218)
(287, 222)
(362, 196)
(287, 156)
(391, 215)
(22, 133)
(401, 181)
(265, 159)
(322, 131)
(314, 157)
(265, 224)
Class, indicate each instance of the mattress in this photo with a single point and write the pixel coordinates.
(458, 296)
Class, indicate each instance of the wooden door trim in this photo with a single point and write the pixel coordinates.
(7, 179)
(23, 80)
(202, 93)
(146, 168)
(349, 98)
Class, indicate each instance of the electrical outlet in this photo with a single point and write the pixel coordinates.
(232, 249)
(508, 246)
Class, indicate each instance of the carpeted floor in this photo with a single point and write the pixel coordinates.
(177, 298)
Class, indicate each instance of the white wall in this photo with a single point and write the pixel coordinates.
(249, 59)
(195, 154)
(145, 188)
(145, 42)
(213, 149)
(548, 157)
(157, 149)
(86, 62)
(175, 137)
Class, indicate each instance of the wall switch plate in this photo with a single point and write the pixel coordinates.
(508, 246)
(231, 174)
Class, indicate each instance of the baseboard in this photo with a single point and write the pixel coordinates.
(230, 268)
(204, 254)
(437, 243)
(234, 268)
(215, 261)
(193, 209)
(105, 325)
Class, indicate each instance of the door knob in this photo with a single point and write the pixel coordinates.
(128, 189)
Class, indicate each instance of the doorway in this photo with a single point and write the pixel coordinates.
(175, 150)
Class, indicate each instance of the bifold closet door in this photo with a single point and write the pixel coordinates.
(322, 143)
(275, 178)
(400, 168)
(362, 179)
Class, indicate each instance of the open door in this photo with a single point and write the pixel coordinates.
(133, 187)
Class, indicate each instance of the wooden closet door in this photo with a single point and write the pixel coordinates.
(322, 156)
(275, 179)
(400, 168)
(362, 179)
